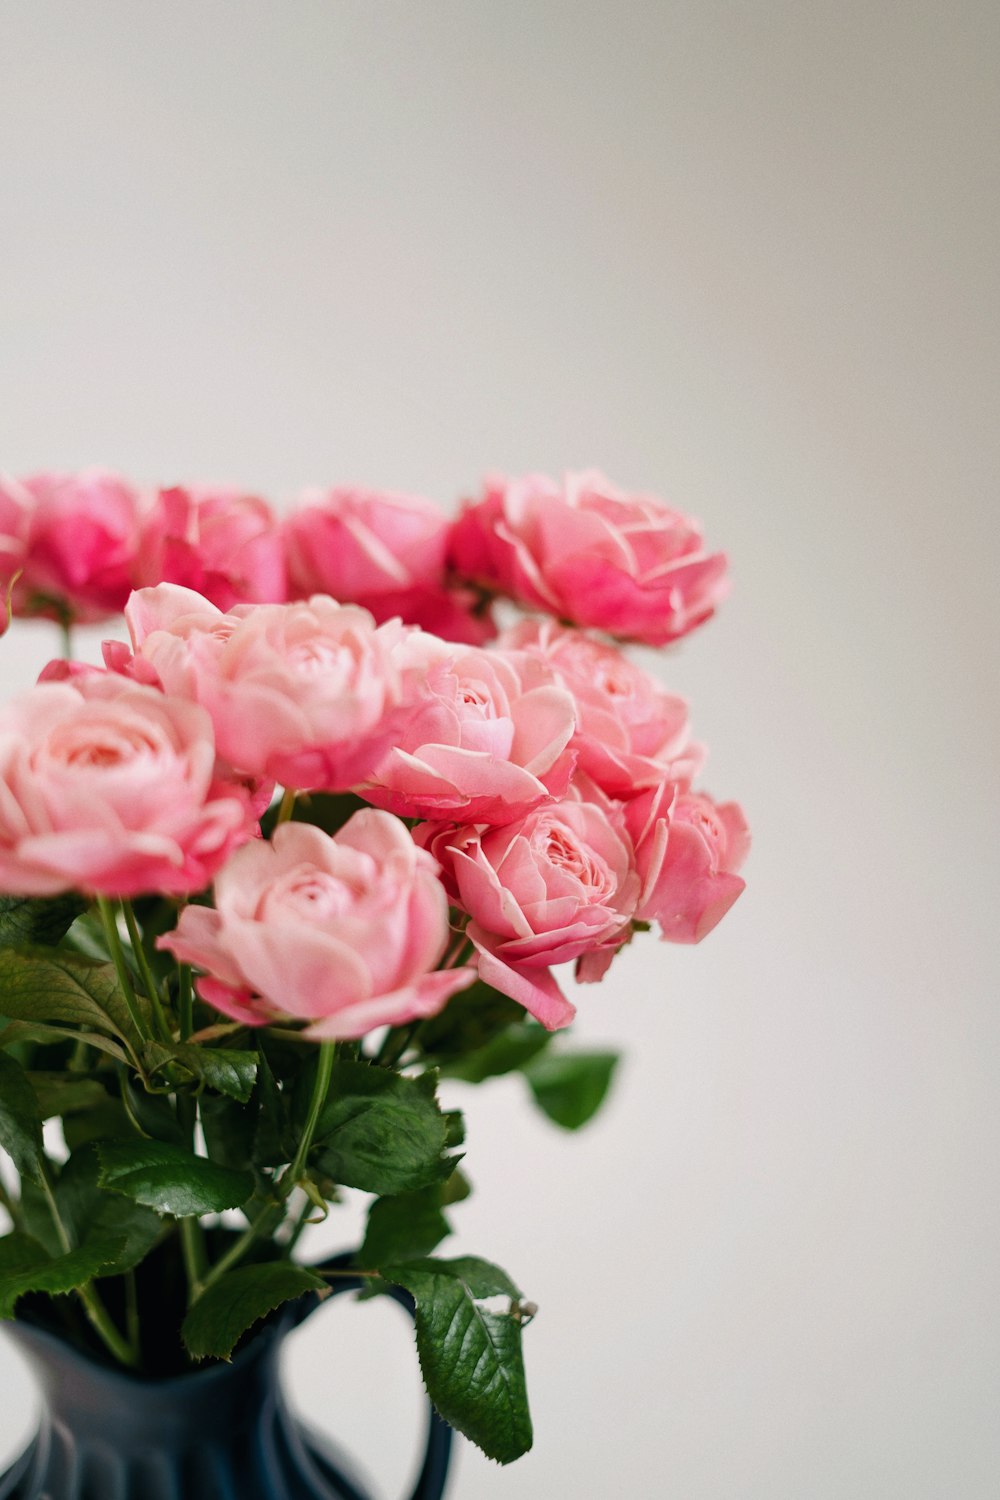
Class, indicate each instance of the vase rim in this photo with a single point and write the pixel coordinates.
(208, 1374)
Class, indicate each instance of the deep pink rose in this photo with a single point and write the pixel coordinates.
(305, 694)
(79, 545)
(343, 932)
(482, 745)
(541, 891)
(223, 544)
(631, 733)
(15, 514)
(591, 555)
(384, 551)
(110, 788)
(687, 851)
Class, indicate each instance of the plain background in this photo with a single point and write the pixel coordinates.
(743, 255)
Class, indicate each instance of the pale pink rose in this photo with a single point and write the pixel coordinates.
(80, 546)
(305, 694)
(109, 787)
(222, 543)
(342, 932)
(541, 891)
(687, 852)
(385, 551)
(481, 746)
(630, 733)
(591, 555)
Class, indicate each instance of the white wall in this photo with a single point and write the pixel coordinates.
(744, 254)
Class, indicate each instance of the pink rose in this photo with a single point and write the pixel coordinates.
(482, 745)
(386, 552)
(343, 932)
(630, 733)
(687, 852)
(219, 542)
(109, 787)
(590, 554)
(305, 694)
(15, 514)
(79, 546)
(548, 888)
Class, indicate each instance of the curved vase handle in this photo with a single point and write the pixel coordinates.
(433, 1474)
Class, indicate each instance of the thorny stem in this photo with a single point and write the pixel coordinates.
(185, 1001)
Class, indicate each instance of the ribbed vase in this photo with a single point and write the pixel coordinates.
(221, 1433)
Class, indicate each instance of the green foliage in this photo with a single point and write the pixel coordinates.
(470, 1355)
(512, 1048)
(403, 1228)
(238, 1300)
(170, 1179)
(20, 1119)
(91, 1214)
(381, 1132)
(65, 1093)
(45, 921)
(26, 1266)
(570, 1087)
(229, 1071)
(57, 988)
(470, 1020)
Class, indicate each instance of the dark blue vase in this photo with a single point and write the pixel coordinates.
(220, 1433)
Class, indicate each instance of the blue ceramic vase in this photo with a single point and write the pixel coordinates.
(220, 1433)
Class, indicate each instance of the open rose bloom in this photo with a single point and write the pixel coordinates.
(312, 836)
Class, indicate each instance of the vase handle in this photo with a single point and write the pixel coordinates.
(433, 1474)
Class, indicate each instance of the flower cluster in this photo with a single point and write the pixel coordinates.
(546, 776)
(318, 832)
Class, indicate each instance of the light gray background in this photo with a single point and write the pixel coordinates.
(744, 255)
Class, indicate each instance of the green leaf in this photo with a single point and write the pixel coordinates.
(31, 1031)
(31, 919)
(468, 1022)
(381, 1132)
(240, 1299)
(55, 987)
(151, 1115)
(403, 1228)
(510, 1049)
(171, 1180)
(26, 1267)
(104, 1122)
(470, 1356)
(227, 1070)
(91, 1214)
(20, 1120)
(230, 1130)
(570, 1087)
(275, 1138)
(326, 810)
(66, 1093)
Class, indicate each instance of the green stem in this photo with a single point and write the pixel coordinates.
(96, 1311)
(321, 1087)
(66, 634)
(395, 1044)
(192, 1237)
(301, 1220)
(185, 1001)
(145, 972)
(287, 805)
(110, 924)
(272, 1213)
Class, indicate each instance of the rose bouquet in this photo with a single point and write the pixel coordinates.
(317, 835)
